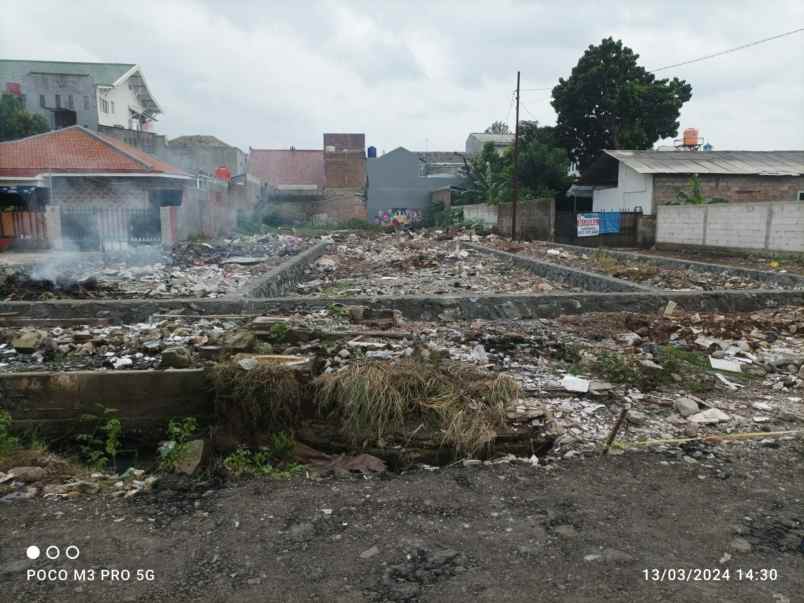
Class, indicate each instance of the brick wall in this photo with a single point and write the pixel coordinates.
(775, 226)
(341, 205)
(732, 188)
(345, 160)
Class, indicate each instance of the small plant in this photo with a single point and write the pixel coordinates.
(695, 196)
(282, 446)
(180, 431)
(338, 310)
(113, 428)
(100, 445)
(279, 332)
(613, 367)
(263, 462)
(7, 442)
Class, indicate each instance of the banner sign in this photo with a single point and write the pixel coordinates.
(610, 222)
(588, 225)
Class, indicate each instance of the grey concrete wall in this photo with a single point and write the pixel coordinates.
(535, 219)
(55, 401)
(284, 277)
(773, 226)
(80, 87)
(395, 181)
(426, 308)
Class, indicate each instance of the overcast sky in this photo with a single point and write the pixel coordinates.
(419, 74)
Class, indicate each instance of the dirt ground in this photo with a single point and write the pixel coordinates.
(584, 530)
(758, 261)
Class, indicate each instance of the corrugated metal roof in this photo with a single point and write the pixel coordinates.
(771, 163)
(495, 138)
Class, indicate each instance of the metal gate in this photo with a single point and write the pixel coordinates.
(626, 236)
(103, 228)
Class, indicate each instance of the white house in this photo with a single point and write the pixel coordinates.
(632, 180)
(86, 94)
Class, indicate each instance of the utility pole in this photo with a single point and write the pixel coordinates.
(514, 179)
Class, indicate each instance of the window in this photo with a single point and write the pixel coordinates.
(112, 106)
(58, 101)
(42, 101)
(70, 103)
(104, 105)
(801, 195)
(86, 103)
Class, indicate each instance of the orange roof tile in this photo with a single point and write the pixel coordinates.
(77, 150)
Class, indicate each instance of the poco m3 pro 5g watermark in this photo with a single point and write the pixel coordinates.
(90, 574)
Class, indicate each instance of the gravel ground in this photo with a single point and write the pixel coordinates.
(756, 261)
(404, 264)
(585, 530)
(637, 271)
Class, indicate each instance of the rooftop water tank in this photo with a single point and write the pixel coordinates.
(372, 152)
(690, 137)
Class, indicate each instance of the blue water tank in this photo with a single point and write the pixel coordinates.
(372, 152)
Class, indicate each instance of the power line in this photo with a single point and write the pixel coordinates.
(730, 50)
(704, 57)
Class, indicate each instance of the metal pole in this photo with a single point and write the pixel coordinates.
(514, 179)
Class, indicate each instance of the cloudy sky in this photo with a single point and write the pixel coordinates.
(420, 74)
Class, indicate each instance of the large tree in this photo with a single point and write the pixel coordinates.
(16, 122)
(611, 102)
(498, 127)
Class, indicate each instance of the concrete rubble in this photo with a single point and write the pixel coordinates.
(428, 263)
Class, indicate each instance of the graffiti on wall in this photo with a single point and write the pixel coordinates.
(398, 216)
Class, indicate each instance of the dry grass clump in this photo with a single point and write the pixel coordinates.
(265, 398)
(380, 401)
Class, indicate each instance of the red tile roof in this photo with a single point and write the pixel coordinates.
(281, 167)
(77, 150)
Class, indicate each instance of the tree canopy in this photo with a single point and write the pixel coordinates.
(611, 102)
(16, 122)
(498, 127)
(543, 168)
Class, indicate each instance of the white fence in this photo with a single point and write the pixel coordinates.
(777, 226)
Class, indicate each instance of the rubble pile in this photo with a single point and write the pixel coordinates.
(404, 263)
(165, 343)
(190, 269)
(643, 272)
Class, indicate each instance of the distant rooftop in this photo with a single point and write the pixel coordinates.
(495, 138)
(77, 150)
(712, 162)
(104, 74)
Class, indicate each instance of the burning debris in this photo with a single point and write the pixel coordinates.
(190, 269)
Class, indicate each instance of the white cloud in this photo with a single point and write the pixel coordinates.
(417, 73)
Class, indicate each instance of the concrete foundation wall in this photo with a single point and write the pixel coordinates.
(284, 277)
(772, 226)
(47, 400)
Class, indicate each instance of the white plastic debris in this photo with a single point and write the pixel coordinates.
(721, 364)
(572, 383)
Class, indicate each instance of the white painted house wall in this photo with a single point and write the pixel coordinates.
(123, 98)
(633, 190)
